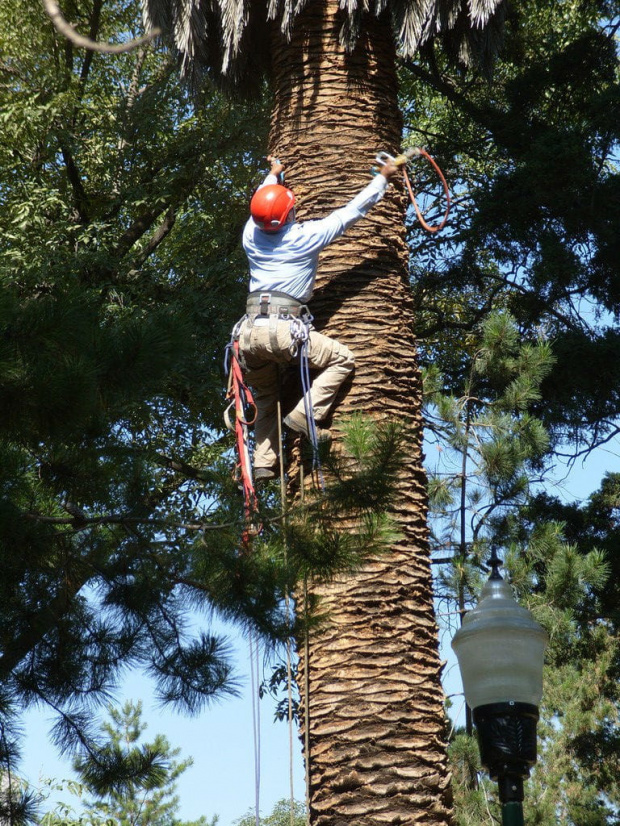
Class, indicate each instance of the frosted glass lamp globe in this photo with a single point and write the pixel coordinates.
(500, 649)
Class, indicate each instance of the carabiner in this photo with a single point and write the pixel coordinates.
(383, 157)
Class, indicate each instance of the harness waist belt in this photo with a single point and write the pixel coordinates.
(273, 303)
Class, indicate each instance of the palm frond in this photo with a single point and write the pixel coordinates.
(230, 39)
(470, 31)
(477, 44)
(414, 23)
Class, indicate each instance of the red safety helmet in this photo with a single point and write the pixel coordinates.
(271, 205)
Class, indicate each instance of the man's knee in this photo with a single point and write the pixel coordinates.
(326, 352)
(343, 357)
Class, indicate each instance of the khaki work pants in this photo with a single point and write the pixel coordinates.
(265, 343)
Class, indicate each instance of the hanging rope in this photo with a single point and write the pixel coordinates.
(254, 676)
(307, 701)
(287, 603)
(243, 408)
(300, 334)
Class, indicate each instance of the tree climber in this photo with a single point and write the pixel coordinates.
(283, 257)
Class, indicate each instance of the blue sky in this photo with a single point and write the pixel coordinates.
(220, 740)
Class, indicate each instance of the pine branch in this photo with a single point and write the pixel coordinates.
(40, 624)
(81, 521)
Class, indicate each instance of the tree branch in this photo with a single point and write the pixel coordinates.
(95, 20)
(441, 85)
(39, 625)
(82, 521)
(75, 179)
(144, 222)
(182, 467)
(155, 240)
(53, 11)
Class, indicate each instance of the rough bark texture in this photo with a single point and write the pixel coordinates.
(375, 706)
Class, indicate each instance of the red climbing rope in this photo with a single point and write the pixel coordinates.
(402, 160)
(244, 407)
(424, 153)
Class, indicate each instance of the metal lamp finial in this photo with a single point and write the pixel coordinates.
(495, 562)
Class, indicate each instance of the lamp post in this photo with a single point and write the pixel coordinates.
(500, 649)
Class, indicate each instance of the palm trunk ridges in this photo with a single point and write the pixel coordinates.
(373, 712)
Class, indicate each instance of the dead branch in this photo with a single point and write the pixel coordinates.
(61, 25)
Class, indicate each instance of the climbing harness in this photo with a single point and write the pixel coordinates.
(269, 308)
(402, 160)
(243, 410)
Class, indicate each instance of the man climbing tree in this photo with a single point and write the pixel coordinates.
(372, 704)
(283, 258)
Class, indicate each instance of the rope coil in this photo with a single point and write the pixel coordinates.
(419, 151)
(402, 160)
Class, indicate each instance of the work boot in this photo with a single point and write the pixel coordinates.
(300, 425)
(263, 474)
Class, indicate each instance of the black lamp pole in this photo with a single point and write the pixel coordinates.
(500, 650)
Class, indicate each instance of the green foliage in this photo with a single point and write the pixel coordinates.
(492, 442)
(532, 159)
(340, 527)
(146, 792)
(65, 814)
(594, 524)
(474, 802)
(280, 815)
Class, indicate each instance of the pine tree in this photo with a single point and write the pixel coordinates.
(496, 444)
(489, 445)
(146, 799)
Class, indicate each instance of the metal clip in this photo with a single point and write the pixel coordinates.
(400, 160)
(383, 157)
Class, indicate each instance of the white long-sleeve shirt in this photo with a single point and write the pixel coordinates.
(287, 260)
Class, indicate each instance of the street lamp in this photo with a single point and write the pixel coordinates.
(500, 649)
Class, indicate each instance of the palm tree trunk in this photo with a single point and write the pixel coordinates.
(374, 712)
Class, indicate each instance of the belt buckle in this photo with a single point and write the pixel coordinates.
(264, 302)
